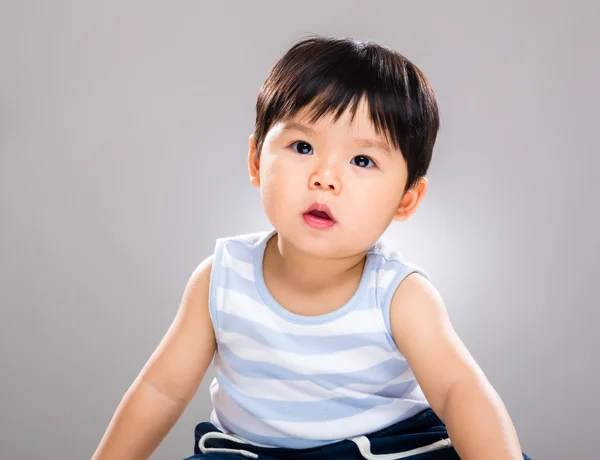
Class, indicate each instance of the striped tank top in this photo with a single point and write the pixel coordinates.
(286, 380)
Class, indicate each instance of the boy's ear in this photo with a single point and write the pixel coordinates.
(411, 200)
(253, 163)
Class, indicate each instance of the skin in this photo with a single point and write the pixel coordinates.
(364, 196)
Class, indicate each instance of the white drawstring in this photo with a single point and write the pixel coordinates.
(215, 434)
(364, 446)
(362, 442)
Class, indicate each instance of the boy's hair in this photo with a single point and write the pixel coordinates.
(331, 74)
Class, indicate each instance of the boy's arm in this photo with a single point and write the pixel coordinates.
(456, 388)
(168, 381)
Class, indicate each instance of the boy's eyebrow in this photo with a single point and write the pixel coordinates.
(366, 143)
(299, 127)
(363, 143)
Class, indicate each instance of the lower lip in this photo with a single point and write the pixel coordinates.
(317, 222)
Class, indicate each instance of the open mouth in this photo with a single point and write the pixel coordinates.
(321, 214)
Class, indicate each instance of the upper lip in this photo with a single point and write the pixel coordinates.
(320, 207)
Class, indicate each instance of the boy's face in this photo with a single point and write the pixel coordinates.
(332, 164)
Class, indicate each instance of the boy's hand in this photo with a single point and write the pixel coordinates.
(456, 388)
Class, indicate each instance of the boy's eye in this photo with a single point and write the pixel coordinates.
(363, 161)
(303, 147)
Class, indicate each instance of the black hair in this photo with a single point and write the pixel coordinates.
(330, 75)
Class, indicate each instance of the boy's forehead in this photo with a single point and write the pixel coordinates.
(359, 123)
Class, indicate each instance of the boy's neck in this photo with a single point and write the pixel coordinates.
(305, 273)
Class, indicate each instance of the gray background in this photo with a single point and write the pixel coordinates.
(123, 142)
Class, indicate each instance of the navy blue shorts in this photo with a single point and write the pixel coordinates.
(422, 437)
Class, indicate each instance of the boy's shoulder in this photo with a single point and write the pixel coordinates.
(388, 257)
(248, 239)
(386, 251)
(240, 247)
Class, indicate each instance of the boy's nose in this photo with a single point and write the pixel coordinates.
(326, 180)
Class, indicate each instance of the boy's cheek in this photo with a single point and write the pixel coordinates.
(287, 173)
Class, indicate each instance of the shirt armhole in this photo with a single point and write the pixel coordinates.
(402, 272)
(214, 282)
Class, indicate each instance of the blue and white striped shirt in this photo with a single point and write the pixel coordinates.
(286, 380)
